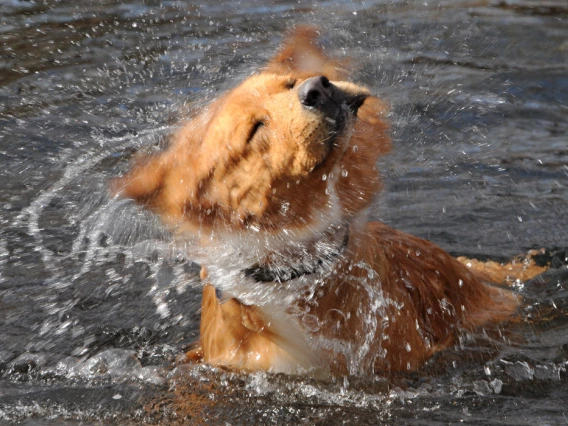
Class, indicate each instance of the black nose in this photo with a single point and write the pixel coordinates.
(314, 91)
(319, 93)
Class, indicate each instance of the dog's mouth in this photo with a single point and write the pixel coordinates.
(354, 101)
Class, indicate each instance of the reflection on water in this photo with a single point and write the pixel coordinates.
(96, 306)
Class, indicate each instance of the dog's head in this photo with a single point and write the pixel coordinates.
(290, 148)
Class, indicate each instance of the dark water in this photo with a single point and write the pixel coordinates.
(94, 305)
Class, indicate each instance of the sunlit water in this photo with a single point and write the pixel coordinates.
(96, 304)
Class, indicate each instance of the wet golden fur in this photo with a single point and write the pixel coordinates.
(255, 166)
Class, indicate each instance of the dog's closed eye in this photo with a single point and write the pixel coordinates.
(290, 84)
(257, 125)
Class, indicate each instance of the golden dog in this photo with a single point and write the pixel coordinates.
(269, 186)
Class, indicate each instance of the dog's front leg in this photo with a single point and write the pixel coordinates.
(233, 334)
(208, 303)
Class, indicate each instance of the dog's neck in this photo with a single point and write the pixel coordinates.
(315, 257)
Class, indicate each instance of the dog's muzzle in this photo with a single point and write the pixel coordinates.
(322, 95)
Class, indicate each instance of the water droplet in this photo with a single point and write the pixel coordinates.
(355, 148)
(460, 283)
(497, 385)
(324, 177)
(344, 173)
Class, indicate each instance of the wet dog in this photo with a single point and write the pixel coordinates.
(270, 186)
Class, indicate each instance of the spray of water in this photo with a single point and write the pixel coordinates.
(77, 85)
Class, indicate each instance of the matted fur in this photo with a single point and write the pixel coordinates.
(256, 167)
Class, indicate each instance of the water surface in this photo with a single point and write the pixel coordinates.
(94, 305)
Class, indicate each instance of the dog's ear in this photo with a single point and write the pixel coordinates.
(300, 54)
(170, 182)
(144, 180)
(180, 162)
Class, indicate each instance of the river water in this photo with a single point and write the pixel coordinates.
(96, 307)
